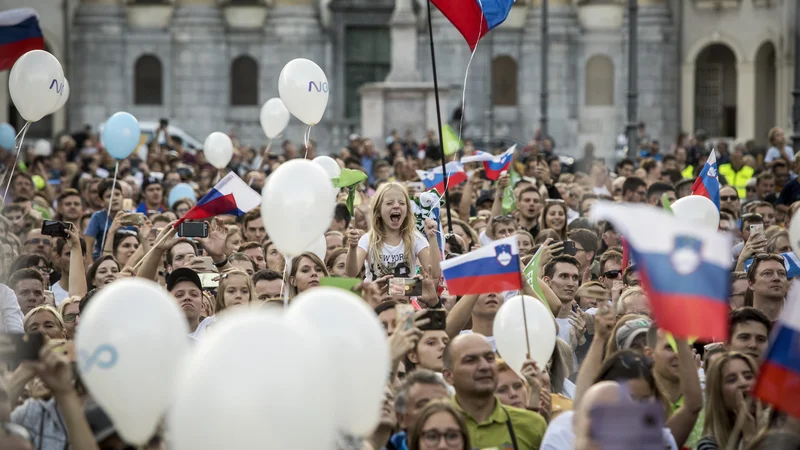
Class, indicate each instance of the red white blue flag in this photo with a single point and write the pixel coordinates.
(493, 268)
(493, 165)
(474, 18)
(685, 270)
(19, 34)
(707, 182)
(779, 374)
(433, 179)
(230, 196)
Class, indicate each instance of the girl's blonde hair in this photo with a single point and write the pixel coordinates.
(224, 279)
(718, 419)
(67, 302)
(377, 235)
(46, 308)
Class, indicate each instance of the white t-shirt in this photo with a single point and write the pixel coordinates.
(561, 436)
(391, 255)
(773, 153)
(59, 293)
(202, 328)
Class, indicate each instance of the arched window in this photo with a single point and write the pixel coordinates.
(244, 81)
(599, 81)
(504, 81)
(148, 86)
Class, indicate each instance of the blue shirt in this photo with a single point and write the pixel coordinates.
(142, 208)
(97, 228)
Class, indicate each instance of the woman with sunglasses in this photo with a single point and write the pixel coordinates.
(71, 313)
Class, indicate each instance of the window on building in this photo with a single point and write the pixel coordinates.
(504, 81)
(148, 81)
(367, 60)
(599, 81)
(244, 81)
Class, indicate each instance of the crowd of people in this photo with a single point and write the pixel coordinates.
(614, 380)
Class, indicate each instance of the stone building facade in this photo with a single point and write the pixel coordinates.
(722, 65)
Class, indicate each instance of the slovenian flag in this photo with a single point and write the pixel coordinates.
(707, 183)
(790, 261)
(779, 374)
(685, 272)
(230, 196)
(493, 165)
(19, 34)
(493, 268)
(433, 179)
(474, 18)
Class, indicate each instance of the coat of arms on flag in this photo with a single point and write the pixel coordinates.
(686, 256)
(503, 254)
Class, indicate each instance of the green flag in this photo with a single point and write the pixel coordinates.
(349, 179)
(450, 139)
(509, 203)
(531, 273)
(665, 203)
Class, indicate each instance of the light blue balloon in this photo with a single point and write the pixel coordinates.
(181, 190)
(121, 135)
(7, 135)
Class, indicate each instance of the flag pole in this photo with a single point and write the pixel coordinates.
(439, 121)
(522, 299)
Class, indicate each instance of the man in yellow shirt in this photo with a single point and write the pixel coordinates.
(470, 367)
(736, 173)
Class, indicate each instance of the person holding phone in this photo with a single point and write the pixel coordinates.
(101, 221)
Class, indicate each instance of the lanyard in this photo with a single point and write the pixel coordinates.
(510, 427)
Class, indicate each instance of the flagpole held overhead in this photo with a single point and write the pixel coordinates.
(439, 121)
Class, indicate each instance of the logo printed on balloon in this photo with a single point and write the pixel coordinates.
(104, 357)
(59, 87)
(322, 87)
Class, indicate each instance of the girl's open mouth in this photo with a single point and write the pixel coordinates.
(395, 218)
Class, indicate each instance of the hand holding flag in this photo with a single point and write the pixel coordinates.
(493, 165)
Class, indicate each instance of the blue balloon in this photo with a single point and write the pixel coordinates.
(7, 135)
(181, 190)
(121, 135)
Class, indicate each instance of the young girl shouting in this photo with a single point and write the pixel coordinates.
(393, 239)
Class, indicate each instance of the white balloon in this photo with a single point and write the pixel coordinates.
(697, 209)
(218, 149)
(354, 339)
(36, 84)
(42, 148)
(319, 247)
(131, 342)
(296, 205)
(509, 332)
(274, 117)
(794, 233)
(332, 168)
(255, 382)
(64, 97)
(303, 87)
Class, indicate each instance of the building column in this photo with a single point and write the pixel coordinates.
(745, 101)
(687, 97)
(5, 99)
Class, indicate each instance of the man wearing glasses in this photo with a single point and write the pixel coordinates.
(39, 244)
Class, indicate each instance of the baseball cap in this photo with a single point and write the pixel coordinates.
(630, 331)
(183, 274)
(485, 196)
(148, 181)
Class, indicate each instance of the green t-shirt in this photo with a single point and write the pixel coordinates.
(528, 426)
(697, 432)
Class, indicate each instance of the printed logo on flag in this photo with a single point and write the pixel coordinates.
(712, 172)
(503, 254)
(685, 258)
(429, 176)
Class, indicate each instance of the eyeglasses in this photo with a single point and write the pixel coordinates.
(37, 241)
(611, 273)
(433, 437)
(69, 318)
(729, 198)
(750, 189)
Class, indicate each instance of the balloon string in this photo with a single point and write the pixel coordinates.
(24, 127)
(23, 132)
(306, 139)
(108, 214)
(524, 315)
(264, 158)
(284, 288)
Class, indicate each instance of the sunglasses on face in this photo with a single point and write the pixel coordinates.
(729, 198)
(37, 241)
(611, 273)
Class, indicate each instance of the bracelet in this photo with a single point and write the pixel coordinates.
(222, 263)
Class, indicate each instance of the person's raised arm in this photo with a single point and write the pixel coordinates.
(116, 224)
(434, 255)
(215, 244)
(355, 255)
(149, 267)
(682, 422)
(460, 314)
(472, 186)
(502, 184)
(590, 367)
(77, 276)
(56, 372)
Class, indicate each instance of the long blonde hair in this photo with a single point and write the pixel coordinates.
(377, 235)
(719, 423)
